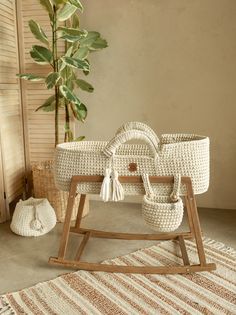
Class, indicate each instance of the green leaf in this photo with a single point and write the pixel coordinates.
(65, 12)
(47, 4)
(30, 77)
(78, 4)
(61, 65)
(52, 79)
(69, 51)
(85, 71)
(48, 105)
(73, 31)
(71, 34)
(81, 138)
(89, 39)
(79, 111)
(41, 55)
(85, 86)
(58, 2)
(75, 21)
(99, 43)
(81, 53)
(38, 32)
(66, 73)
(69, 95)
(76, 63)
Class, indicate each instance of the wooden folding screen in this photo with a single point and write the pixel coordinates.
(12, 163)
(26, 136)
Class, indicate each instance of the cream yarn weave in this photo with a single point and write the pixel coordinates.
(185, 154)
(162, 213)
(33, 217)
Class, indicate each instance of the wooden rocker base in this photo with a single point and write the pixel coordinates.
(194, 233)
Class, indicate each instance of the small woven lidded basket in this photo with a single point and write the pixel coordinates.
(44, 187)
(162, 213)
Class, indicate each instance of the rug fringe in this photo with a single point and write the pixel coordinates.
(5, 307)
(220, 246)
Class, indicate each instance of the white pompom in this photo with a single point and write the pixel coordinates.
(36, 225)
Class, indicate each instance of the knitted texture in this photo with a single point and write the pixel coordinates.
(136, 125)
(185, 154)
(160, 212)
(33, 217)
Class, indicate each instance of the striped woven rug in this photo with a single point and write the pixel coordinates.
(102, 293)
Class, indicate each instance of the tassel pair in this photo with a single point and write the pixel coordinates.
(111, 187)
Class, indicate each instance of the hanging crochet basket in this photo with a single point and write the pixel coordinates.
(162, 213)
(185, 154)
(33, 217)
(44, 187)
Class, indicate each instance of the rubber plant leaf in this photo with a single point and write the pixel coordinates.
(89, 39)
(41, 55)
(85, 71)
(99, 43)
(38, 32)
(79, 111)
(75, 21)
(78, 4)
(76, 63)
(85, 86)
(81, 53)
(69, 95)
(66, 73)
(47, 4)
(71, 34)
(72, 31)
(69, 51)
(66, 12)
(59, 2)
(48, 105)
(52, 79)
(30, 77)
(81, 138)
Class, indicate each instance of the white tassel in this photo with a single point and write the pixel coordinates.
(105, 193)
(118, 190)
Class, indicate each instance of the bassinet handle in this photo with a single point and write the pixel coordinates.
(125, 136)
(137, 125)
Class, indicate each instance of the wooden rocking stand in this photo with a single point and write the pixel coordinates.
(194, 233)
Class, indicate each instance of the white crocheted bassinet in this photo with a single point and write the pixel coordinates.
(184, 154)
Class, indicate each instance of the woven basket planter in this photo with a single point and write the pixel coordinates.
(44, 187)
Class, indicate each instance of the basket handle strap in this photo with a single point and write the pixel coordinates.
(147, 185)
(136, 125)
(123, 137)
(174, 196)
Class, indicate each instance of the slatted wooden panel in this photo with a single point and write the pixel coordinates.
(12, 163)
(40, 125)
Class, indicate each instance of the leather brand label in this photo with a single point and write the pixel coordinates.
(133, 167)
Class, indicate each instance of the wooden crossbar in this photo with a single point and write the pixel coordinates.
(193, 233)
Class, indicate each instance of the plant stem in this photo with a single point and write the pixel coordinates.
(55, 67)
(67, 113)
(66, 139)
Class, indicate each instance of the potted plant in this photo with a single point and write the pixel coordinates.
(64, 77)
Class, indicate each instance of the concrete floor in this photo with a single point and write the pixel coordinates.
(23, 261)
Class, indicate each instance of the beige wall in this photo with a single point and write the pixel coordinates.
(171, 64)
